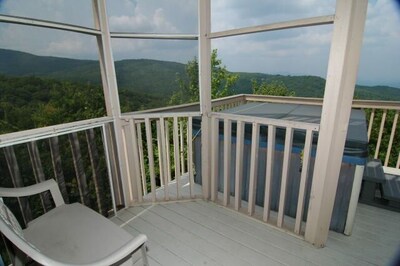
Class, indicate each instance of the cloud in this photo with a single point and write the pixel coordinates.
(47, 42)
(297, 51)
(380, 55)
(155, 23)
(64, 11)
(72, 46)
(227, 14)
(153, 16)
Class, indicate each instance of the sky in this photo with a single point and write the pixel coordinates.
(302, 51)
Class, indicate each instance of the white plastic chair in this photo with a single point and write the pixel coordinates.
(70, 234)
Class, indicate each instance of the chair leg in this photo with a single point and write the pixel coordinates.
(144, 255)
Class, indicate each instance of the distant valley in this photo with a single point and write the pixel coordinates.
(158, 78)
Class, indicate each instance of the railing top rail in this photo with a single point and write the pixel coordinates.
(268, 121)
(391, 105)
(193, 107)
(159, 115)
(51, 131)
(283, 99)
(190, 107)
(228, 99)
(169, 109)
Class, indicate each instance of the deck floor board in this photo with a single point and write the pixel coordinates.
(207, 217)
(204, 233)
(295, 246)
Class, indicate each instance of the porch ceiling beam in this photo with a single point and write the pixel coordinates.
(307, 22)
(155, 36)
(48, 24)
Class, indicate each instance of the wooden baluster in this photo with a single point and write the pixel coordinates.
(150, 155)
(269, 171)
(214, 158)
(253, 167)
(285, 174)
(303, 181)
(227, 160)
(239, 164)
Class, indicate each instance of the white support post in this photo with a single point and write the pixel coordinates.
(111, 89)
(205, 91)
(339, 89)
(96, 16)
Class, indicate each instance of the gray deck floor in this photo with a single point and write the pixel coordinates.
(203, 233)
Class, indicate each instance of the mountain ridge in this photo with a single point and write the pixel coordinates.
(159, 77)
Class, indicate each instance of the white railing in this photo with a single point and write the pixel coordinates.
(382, 117)
(227, 174)
(51, 149)
(384, 114)
(159, 148)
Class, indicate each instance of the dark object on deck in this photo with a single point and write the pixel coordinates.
(373, 179)
(391, 190)
(379, 188)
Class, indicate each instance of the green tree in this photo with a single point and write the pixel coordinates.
(222, 81)
(70, 102)
(385, 138)
(275, 88)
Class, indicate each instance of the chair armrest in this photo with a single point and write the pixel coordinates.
(129, 248)
(50, 184)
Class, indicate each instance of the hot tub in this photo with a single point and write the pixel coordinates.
(355, 153)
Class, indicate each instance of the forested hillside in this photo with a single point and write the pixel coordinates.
(142, 76)
(159, 78)
(312, 86)
(30, 102)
